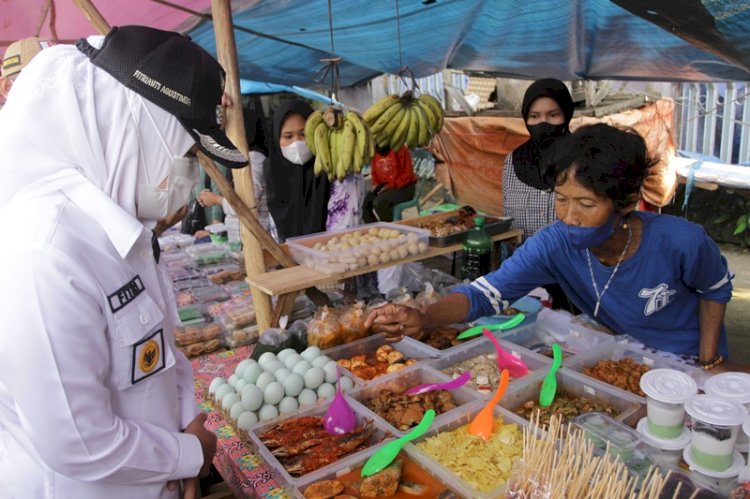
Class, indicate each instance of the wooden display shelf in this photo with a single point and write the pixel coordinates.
(292, 279)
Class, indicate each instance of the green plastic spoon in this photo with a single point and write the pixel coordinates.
(476, 330)
(386, 454)
(549, 385)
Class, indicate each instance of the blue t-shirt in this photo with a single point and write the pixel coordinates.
(653, 297)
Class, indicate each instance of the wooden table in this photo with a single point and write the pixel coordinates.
(293, 279)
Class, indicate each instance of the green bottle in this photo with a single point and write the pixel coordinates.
(477, 252)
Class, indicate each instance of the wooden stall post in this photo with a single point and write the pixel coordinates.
(93, 15)
(226, 51)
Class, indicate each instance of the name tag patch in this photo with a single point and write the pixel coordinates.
(125, 294)
(148, 357)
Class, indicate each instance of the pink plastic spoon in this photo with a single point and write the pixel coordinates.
(446, 385)
(339, 418)
(506, 360)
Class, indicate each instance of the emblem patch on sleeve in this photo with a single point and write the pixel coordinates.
(126, 294)
(148, 357)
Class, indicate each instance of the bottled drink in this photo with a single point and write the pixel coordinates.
(477, 252)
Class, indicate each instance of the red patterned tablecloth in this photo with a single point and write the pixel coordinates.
(244, 471)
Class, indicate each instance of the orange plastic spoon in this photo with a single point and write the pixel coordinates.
(482, 423)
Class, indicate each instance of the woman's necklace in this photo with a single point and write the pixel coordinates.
(611, 276)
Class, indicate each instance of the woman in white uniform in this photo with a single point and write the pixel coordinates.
(95, 400)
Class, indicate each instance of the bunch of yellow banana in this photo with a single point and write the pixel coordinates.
(395, 121)
(341, 142)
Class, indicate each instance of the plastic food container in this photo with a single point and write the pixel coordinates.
(380, 434)
(485, 348)
(666, 390)
(556, 327)
(411, 350)
(407, 378)
(218, 232)
(732, 386)
(206, 254)
(621, 350)
(388, 243)
(412, 472)
(602, 429)
(461, 486)
(714, 426)
(629, 407)
(188, 335)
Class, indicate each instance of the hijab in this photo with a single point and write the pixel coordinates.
(530, 159)
(255, 131)
(297, 199)
(70, 126)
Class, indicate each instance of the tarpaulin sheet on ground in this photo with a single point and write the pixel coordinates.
(471, 153)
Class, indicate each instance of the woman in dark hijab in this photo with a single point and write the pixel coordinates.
(527, 186)
(297, 199)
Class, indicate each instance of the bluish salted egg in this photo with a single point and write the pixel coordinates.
(325, 391)
(307, 397)
(252, 398)
(222, 391)
(247, 420)
(314, 377)
(216, 383)
(264, 380)
(287, 405)
(252, 372)
(294, 384)
(229, 400)
(267, 412)
(273, 393)
(310, 353)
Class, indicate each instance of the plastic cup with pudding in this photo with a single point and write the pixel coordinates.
(715, 423)
(666, 391)
(732, 386)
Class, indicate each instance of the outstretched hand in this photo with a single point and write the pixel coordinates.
(395, 321)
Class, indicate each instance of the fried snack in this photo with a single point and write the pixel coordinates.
(625, 373)
(483, 464)
(566, 406)
(324, 489)
(383, 483)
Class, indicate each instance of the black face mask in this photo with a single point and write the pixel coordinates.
(544, 134)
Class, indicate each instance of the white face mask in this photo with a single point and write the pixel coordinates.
(297, 152)
(154, 203)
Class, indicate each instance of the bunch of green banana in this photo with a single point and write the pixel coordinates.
(395, 121)
(341, 142)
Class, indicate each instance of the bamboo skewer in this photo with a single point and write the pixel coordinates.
(572, 470)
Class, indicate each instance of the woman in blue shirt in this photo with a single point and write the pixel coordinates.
(658, 278)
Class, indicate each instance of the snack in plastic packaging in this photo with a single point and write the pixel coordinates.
(428, 296)
(324, 331)
(187, 335)
(201, 348)
(352, 322)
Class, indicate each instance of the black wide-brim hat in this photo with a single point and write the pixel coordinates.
(174, 73)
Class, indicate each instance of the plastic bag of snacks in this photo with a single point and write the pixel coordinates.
(352, 322)
(401, 296)
(428, 296)
(324, 331)
(187, 335)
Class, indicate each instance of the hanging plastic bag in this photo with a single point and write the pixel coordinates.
(428, 296)
(273, 340)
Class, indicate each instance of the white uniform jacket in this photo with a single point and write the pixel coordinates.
(93, 393)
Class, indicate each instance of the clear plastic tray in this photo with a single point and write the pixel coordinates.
(484, 346)
(602, 429)
(207, 254)
(356, 465)
(368, 346)
(451, 479)
(620, 350)
(556, 327)
(631, 407)
(412, 241)
(382, 433)
(407, 378)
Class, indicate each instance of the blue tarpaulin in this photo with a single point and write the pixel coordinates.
(675, 40)
(260, 87)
